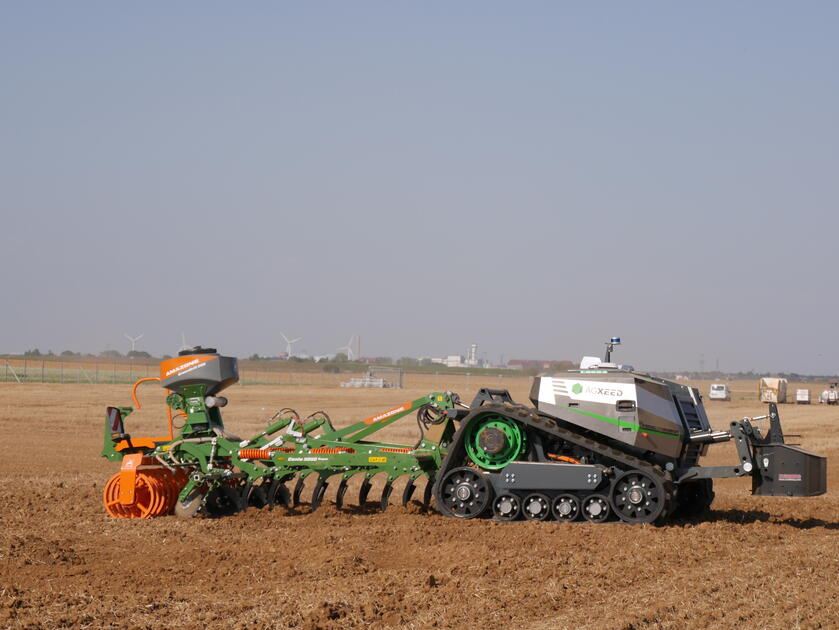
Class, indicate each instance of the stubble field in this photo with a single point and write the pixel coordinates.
(753, 561)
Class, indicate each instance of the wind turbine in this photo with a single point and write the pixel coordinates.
(289, 343)
(133, 340)
(350, 354)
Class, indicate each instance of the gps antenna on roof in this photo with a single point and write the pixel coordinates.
(610, 346)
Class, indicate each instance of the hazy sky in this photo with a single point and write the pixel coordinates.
(533, 177)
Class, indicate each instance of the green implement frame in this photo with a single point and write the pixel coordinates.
(255, 470)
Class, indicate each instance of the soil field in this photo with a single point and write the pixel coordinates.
(752, 562)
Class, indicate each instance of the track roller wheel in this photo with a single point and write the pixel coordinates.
(638, 498)
(566, 507)
(317, 494)
(464, 493)
(507, 507)
(339, 496)
(408, 492)
(596, 508)
(536, 507)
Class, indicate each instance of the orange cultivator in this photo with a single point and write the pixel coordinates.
(136, 492)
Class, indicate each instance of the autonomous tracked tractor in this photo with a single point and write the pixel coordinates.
(598, 443)
(606, 441)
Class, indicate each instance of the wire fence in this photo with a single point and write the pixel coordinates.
(115, 373)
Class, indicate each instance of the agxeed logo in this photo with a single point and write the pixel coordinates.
(596, 391)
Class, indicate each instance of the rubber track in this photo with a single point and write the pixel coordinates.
(532, 418)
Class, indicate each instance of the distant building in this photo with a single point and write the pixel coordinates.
(538, 364)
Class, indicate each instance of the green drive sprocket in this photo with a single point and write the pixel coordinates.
(494, 441)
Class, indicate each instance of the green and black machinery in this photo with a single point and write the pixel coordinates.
(598, 443)
(206, 469)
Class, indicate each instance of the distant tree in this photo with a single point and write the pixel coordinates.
(50, 353)
(426, 362)
(32, 353)
(341, 358)
(138, 354)
(110, 353)
(408, 361)
(68, 353)
(254, 357)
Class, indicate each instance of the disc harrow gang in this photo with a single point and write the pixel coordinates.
(572, 457)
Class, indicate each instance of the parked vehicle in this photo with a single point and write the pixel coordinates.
(719, 391)
(830, 396)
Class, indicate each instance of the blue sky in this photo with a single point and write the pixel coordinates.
(533, 177)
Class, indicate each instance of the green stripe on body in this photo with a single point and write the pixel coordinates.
(623, 423)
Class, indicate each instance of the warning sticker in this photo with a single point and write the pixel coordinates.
(377, 460)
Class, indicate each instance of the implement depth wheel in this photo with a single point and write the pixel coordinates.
(464, 493)
(493, 441)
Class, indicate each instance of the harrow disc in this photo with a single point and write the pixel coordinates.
(317, 494)
(339, 495)
(298, 489)
(363, 491)
(408, 492)
(223, 501)
(257, 497)
(190, 505)
(427, 493)
(384, 501)
(279, 494)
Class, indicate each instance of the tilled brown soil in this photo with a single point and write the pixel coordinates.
(756, 562)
